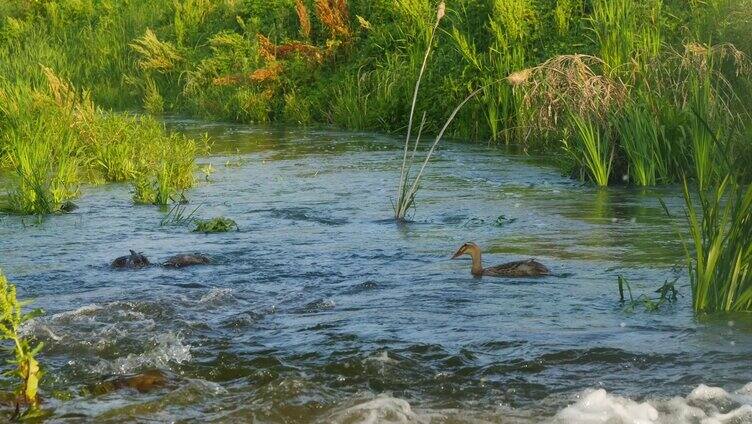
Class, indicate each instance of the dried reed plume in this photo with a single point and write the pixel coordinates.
(334, 14)
(567, 82)
(156, 55)
(79, 107)
(304, 18)
(699, 56)
(269, 73)
(306, 50)
(267, 49)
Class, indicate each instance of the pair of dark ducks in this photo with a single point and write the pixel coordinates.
(526, 268)
(138, 260)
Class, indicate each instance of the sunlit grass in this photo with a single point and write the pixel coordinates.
(720, 264)
(590, 146)
(54, 140)
(25, 367)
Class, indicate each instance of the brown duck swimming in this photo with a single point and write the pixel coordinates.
(187, 259)
(134, 260)
(528, 268)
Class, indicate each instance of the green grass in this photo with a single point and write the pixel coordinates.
(255, 61)
(54, 140)
(720, 265)
(590, 146)
(641, 137)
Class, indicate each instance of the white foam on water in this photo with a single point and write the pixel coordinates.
(597, 406)
(704, 405)
(216, 295)
(382, 357)
(384, 409)
(81, 312)
(168, 349)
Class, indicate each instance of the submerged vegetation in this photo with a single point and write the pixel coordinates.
(667, 294)
(215, 225)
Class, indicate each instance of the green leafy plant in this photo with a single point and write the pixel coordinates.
(26, 367)
(720, 265)
(591, 147)
(215, 225)
(667, 294)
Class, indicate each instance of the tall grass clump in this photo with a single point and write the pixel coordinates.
(567, 101)
(408, 186)
(591, 147)
(721, 264)
(25, 367)
(54, 139)
(642, 138)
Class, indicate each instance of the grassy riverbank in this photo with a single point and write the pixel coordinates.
(617, 90)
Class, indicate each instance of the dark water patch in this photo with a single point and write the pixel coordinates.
(318, 305)
(303, 214)
(190, 285)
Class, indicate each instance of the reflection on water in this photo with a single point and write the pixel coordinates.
(322, 309)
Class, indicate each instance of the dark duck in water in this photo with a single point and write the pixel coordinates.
(527, 268)
(134, 260)
(187, 259)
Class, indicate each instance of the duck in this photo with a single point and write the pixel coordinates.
(187, 259)
(134, 260)
(526, 268)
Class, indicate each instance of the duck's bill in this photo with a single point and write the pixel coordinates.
(458, 254)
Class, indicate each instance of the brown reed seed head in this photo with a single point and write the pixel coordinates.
(270, 73)
(267, 49)
(334, 15)
(519, 77)
(306, 50)
(304, 18)
(441, 11)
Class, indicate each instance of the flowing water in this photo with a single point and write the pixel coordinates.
(322, 309)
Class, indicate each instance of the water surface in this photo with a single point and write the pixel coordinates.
(323, 309)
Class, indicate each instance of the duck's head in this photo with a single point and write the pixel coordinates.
(468, 248)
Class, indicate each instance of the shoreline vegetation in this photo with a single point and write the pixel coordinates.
(616, 91)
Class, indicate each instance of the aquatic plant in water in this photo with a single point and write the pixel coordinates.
(667, 294)
(215, 225)
(54, 139)
(177, 215)
(720, 265)
(406, 190)
(26, 367)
